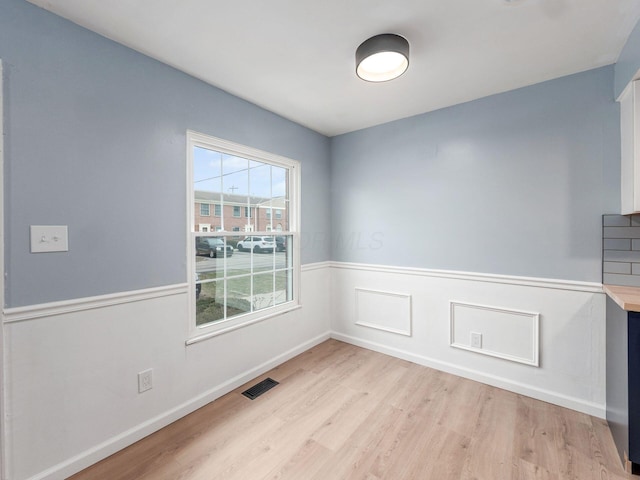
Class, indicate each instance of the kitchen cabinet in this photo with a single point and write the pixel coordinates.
(623, 381)
(630, 148)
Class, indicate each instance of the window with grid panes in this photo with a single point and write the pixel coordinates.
(230, 288)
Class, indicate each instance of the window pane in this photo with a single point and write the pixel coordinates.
(239, 264)
(280, 195)
(264, 216)
(235, 189)
(238, 295)
(263, 262)
(239, 270)
(284, 257)
(206, 183)
(209, 302)
(260, 180)
(235, 171)
(263, 253)
(206, 170)
(279, 188)
(213, 247)
(263, 290)
(208, 274)
(284, 287)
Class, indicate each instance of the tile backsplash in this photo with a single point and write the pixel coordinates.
(621, 250)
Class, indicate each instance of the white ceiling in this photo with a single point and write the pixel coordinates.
(296, 57)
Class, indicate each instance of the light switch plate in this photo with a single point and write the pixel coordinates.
(49, 238)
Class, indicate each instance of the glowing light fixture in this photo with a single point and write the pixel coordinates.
(383, 57)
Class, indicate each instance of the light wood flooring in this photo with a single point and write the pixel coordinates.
(343, 412)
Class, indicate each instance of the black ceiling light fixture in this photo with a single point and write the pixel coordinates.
(382, 58)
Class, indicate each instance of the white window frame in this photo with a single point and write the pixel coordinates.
(208, 210)
(198, 333)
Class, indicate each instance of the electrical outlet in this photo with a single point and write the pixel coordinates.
(476, 340)
(145, 380)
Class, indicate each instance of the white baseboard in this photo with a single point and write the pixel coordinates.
(597, 410)
(113, 445)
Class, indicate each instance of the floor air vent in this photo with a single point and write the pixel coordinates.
(259, 388)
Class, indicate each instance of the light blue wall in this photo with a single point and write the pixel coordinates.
(628, 62)
(512, 184)
(95, 139)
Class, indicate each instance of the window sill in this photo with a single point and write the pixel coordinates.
(220, 331)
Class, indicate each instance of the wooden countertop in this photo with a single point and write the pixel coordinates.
(627, 297)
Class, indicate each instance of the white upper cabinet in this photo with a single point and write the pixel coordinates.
(630, 137)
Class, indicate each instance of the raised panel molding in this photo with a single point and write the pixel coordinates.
(505, 333)
(382, 310)
(533, 358)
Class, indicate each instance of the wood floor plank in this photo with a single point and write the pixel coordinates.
(608, 458)
(264, 454)
(424, 433)
(304, 463)
(528, 471)
(490, 454)
(336, 430)
(343, 412)
(352, 462)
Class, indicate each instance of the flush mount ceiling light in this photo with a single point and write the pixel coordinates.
(383, 57)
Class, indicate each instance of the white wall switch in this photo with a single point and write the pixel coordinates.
(49, 238)
(476, 340)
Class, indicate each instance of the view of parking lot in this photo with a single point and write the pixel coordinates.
(241, 226)
(249, 281)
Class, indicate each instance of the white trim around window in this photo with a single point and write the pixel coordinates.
(198, 333)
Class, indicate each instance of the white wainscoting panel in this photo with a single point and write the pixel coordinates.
(72, 394)
(504, 333)
(386, 311)
(571, 335)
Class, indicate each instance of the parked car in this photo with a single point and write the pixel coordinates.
(257, 244)
(214, 247)
(281, 244)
